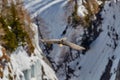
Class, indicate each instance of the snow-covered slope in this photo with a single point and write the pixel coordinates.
(100, 61)
(104, 52)
(51, 11)
(24, 67)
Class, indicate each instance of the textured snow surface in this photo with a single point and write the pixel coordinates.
(94, 62)
(92, 65)
(21, 58)
(52, 13)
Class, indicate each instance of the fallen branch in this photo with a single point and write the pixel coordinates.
(63, 41)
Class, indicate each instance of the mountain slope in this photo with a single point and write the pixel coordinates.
(100, 61)
(21, 58)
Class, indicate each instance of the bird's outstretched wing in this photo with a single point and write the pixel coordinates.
(73, 46)
(63, 42)
(51, 41)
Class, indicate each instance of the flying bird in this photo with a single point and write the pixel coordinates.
(63, 41)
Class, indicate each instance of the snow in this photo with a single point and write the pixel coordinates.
(28, 67)
(56, 11)
(33, 79)
(94, 62)
(49, 73)
(45, 7)
(21, 59)
(81, 9)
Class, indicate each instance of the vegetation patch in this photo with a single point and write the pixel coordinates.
(16, 31)
(92, 8)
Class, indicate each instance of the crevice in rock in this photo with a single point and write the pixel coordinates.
(107, 74)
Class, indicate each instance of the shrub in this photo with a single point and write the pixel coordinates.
(76, 20)
(16, 31)
(92, 8)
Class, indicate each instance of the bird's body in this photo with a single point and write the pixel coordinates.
(63, 41)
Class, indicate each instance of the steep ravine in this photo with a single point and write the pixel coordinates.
(101, 60)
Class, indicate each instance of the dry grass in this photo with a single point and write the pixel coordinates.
(5, 56)
(92, 8)
(15, 16)
(3, 59)
(1, 71)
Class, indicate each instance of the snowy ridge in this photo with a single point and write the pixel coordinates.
(42, 6)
